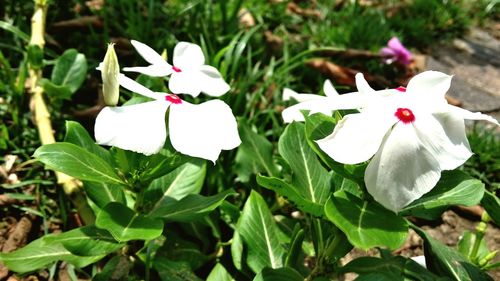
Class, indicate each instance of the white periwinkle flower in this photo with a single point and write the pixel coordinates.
(412, 134)
(199, 130)
(188, 74)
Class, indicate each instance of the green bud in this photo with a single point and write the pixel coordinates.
(110, 69)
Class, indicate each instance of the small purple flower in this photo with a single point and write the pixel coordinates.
(396, 52)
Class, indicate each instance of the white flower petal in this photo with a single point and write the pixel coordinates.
(203, 130)
(318, 104)
(185, 82)
(289, 94)
(148, 54)
(357, 137)
(211, 81)
(444, 136)
(429, 86)
(188, 56)
(402, 169)
(465, 114)
(139, 127)
(152, 70)
(135, 87)
(362, 85)
(329, 89)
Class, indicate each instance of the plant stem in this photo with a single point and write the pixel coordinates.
(480, 232)
(72, 187)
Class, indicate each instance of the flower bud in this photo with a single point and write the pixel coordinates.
(110, 70)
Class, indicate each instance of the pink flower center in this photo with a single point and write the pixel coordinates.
(405, 115)
(173, 99)
(401, 89)
(176, 69)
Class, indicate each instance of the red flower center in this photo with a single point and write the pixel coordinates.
(173, 99)
(401, 89)
(405, 115)
(176, 69)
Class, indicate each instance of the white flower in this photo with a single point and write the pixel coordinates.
(327, 104)
(198, 130)
(412, 134)
(188, 75)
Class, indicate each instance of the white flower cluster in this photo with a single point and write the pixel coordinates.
(198, 130)
(410, 134)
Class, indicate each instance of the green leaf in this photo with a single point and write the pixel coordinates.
(55, 91)
(219, 273)
(466, 244)
(254, 154)
(76, 162)
(102, 193)
(260, 233)
(40, 253)
(445, 261)
(174, 270)
(117, 267)
(186, 179)
(86, 241)
(454, 188)
(293, 257)
(125, 225)
(366, 224)
(77, 134)
(491, 204)
(399, 268)
(14, 30)
(290, 193)
(237, 251)
(70, 70)
(189, 208)
(309, 177)
(279, 274)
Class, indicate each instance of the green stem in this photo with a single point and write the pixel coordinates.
(480, 232)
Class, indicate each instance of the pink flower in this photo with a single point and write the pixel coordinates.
(396, 52)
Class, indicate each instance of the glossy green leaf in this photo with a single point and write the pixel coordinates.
(293, 258)
(399, 268)
(279, 274)
(254, 154)
(77, 134)
(70, 70)
(309, 177)
(76, 162)
(491, 204)
(260, 234)
(125, 224)
(189, 208)
(237, 251)
(86, 241)
(445, 261)
(290, 193)
(40, 253)
(366, 224)
(102, 193)
(55, 91)
(184, 180)
(219, 273)
(454, 188)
